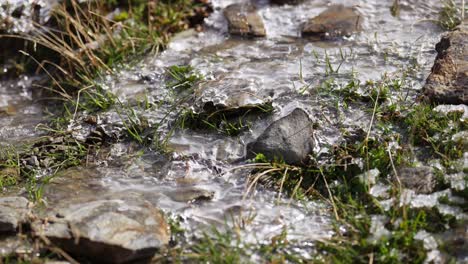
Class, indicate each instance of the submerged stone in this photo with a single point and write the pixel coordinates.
(191, 194)
(13, 212)
(107, 231)
(448, 81)
(336, 21)
(289, 138)
(244, 20)
(419, 179)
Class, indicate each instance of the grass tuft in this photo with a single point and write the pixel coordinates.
(451, 14)
(224, 120)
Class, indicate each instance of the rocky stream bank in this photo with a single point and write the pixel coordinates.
(276, 132)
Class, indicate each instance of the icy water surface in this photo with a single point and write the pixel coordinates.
(20, 112)
(205, 179)
(201, 180)
(20, 108)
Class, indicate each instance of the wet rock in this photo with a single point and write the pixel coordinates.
(244, 20)
(289, 138)
(77, 182)
(13, 212)
(336, 21)
(420, 179)
(448, 81)
(111, 231)
(191, 195)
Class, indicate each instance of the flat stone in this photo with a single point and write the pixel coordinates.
(74, 185)
(448, 81)
(336, 21)
(289, 138)
(13, 212)
(244, 20)
(110, 231)
(419, 179)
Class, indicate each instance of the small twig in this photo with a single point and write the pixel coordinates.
(371, 258)
(281, 184)
(335, 211)
(370, 127)
(256, 179)
(463, 11)
(394, 169)
(78, 100)
(57, 250)
(373, 115)
(294, 192)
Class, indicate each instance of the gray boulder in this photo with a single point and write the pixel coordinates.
(107, 231)
(420, 179)
(448, 81)
(289, 138)
(336, 21)
(13, 212)
(244, 20)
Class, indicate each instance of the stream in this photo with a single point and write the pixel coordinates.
(206, 180)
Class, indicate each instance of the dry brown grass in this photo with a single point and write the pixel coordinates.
(87, 40)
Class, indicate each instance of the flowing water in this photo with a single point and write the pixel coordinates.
(205, 179)
(19, 111)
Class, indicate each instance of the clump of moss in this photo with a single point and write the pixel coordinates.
(183, 77)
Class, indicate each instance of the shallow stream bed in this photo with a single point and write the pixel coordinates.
(202, 177)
